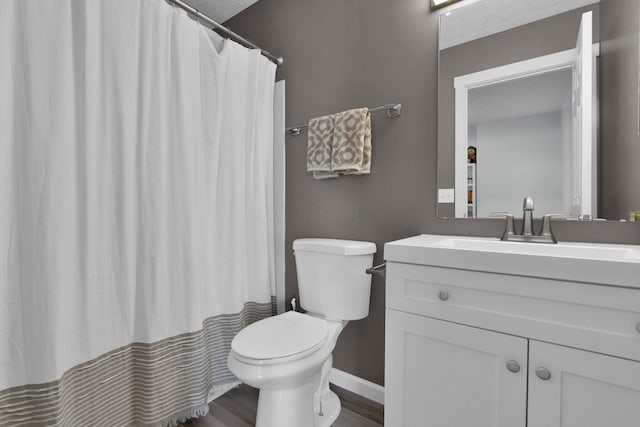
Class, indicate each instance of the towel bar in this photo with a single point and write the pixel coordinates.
(393, 110)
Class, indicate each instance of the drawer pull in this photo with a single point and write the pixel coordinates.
(443, 295)
(638, 327)
(513, 366)
(543, 373)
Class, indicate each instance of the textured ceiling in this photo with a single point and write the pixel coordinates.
(220, 10)
(475, 19)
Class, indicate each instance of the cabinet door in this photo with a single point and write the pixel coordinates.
(584, 389)
(442, 374)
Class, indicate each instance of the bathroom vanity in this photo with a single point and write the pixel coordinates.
(485, 333)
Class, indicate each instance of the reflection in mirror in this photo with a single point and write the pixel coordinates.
(522, 146)
(518, 106)
(497, 112)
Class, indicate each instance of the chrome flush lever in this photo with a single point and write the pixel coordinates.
(379, 270)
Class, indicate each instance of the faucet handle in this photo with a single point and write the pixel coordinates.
(510, 229)
(546, 225)
(500, 214)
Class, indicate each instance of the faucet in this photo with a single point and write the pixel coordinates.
(527, 234)
(527, 216)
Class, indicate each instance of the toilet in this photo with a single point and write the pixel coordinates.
(288, 357)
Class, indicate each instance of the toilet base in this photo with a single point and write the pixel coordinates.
(330, 410)
(291, 407)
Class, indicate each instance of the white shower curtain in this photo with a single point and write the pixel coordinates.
(136, 210)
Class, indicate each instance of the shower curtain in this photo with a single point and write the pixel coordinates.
(136, 210)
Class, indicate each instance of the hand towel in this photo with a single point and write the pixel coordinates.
(319, 144)
(366, 152)
(325, 175)
(348, 145)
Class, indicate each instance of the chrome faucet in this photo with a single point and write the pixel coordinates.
(527, 216)
(527, 234)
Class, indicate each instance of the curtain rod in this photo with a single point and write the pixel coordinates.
(393, 110)
(218, 27)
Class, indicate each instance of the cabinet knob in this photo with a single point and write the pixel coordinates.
(543, 373)
(443, 295)
(513, 366)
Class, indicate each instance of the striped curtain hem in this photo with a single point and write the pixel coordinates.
(140, 384)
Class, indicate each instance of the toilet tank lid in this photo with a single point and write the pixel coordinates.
(334, 246)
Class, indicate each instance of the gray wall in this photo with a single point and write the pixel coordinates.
(341, 54)
(620, 145)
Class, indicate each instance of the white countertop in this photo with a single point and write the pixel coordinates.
(608, 264)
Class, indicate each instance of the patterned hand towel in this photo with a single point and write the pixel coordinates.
(319, 144)
(349, 140)
(366, 152)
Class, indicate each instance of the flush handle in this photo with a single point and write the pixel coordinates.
(443, 295)
(543, 373)
(380, 270)
(513, 366)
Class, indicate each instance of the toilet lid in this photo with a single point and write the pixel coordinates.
(280, 336)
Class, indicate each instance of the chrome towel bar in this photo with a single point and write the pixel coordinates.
(393, 110)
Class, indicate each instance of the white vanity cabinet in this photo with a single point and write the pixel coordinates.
(584, 389)
(448, 375)
(486, 347)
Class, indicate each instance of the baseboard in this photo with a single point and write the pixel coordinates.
(357, 385)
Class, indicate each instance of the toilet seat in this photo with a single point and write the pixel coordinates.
(278, 339)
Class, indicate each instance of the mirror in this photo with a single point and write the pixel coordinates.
(533, 99)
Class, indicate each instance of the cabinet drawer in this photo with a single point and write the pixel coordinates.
(593, 317)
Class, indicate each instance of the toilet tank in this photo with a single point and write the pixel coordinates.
(332, 281)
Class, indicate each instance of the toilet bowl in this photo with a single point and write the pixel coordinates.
(288, 357)
(284, 356)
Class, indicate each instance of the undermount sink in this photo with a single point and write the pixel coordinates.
(610, 264)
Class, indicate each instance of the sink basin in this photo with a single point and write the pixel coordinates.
(566, 250)
(611, 264)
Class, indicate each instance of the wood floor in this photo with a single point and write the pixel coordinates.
(237, 408)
